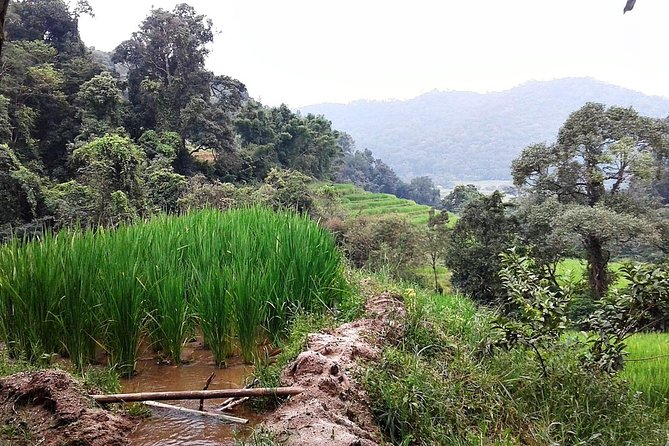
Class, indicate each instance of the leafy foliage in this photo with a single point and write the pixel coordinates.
(387, 243)
(481, 234)
(460, 197)
(536, 308)
(643, 306)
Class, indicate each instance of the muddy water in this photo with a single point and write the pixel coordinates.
(168, 428)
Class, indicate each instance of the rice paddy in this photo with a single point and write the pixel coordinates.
(357, 202)
(238, 278)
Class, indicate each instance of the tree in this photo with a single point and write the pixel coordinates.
(421, 190)
(21, 197)
(50, 21)
(436, 238)
(44, 67)
(166, 65)
(460, 197)
(372, 174)
(483, 231)
(99, 100)
(279, 138)
(113, 167)
(599, 171)
(33, 85)
(170, 89)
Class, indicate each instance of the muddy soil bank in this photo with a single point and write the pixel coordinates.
(50, 409)
(334, 409)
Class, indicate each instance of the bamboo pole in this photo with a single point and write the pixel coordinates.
(196, 394)
(222, 417)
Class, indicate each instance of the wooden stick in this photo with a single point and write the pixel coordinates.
(222, 417)
(248, 386)
(233, 403)
(196, 394)
(206, 386)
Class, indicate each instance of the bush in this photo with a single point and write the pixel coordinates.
(482, 233)
(204, 194)
(389, 243)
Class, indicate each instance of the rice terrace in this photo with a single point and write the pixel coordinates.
(481, 262)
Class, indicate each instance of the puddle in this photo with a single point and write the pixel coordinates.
(167, 428)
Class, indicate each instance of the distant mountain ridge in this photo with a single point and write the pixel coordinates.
(461, 136)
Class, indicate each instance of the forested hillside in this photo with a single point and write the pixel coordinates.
(471, 136)
(98, 138)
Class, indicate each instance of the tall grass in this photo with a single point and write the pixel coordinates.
(437, 385)
(241, 274)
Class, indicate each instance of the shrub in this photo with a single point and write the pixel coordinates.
(482, 233)
(389, 243)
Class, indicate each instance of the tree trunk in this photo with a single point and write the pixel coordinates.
(3, 13)
(598, 259)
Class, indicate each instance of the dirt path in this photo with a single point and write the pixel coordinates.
(49, 408)
(334, 410)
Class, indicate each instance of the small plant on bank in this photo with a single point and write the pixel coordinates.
(536, 311)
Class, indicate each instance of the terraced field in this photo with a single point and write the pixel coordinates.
(359, 202)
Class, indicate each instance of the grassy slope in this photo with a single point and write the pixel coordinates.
(357, 202)
(435, 387)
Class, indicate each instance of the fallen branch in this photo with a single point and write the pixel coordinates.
(233, 399)
(233, 403)
(222, 417)
(196, 394)
(206, 386)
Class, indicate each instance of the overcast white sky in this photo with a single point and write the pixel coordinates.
(302, 52)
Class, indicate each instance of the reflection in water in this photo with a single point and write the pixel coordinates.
(168, 428)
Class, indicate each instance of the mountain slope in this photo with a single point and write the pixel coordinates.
(473, 136)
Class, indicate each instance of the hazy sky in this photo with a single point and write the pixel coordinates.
(307, 51)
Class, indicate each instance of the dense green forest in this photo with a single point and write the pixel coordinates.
(465, 136)
(94, 138)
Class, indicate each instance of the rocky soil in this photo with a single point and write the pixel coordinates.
(50, 409)
(334, 410)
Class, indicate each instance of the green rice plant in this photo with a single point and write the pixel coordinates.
(245, 272)
(246, 294)
(121, 292)
(30, 290)
(76, 314)
(214, 306)
(170, 312)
